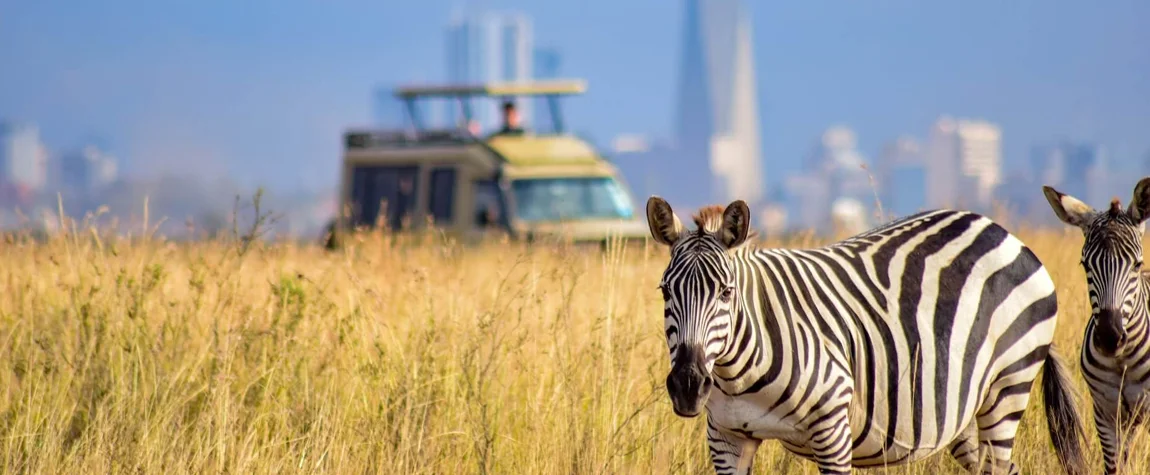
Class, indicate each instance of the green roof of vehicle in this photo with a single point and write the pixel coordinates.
(532, 150)
(554, 87)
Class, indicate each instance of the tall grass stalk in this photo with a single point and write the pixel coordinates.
(392, 355)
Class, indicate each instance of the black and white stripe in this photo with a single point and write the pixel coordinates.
(921, 335)
(1115, 353)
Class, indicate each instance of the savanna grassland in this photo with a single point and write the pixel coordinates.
(391, 355)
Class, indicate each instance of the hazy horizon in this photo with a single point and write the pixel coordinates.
(261, 92)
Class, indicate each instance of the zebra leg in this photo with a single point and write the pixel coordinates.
(1105, 421)
(830, 440)
(998, 420)
(730, 453)
(964, 449)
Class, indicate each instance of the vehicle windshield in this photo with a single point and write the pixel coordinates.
(554, 199)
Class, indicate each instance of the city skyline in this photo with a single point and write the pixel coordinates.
(263, 105)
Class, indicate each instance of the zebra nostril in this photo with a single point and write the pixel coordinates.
(707, 382)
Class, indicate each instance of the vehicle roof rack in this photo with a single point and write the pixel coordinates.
(551, 87)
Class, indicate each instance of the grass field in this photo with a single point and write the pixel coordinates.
(389, 356)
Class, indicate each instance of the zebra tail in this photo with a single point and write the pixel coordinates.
(1062, 418)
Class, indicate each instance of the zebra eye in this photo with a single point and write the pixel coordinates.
(666, 295)
(1138, 265)
(726, 295)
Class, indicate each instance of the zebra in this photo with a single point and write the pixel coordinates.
(881, 349)
(1115, 354)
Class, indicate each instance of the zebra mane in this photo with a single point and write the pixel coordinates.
(1115, 208)
(709, 218)
(709, 221)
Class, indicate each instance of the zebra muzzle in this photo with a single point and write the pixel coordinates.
(1109, 332)
(688, 385)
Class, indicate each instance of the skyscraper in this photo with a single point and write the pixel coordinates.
(1076, 168)
(23, 157)
(485, 47)
(717, 128)
(87, 169)
(902, 177)
(963, 155)
(834, 182)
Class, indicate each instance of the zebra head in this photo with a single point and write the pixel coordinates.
(1111, 258)
(700, 294)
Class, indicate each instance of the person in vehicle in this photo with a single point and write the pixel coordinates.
(511, 121)
(488, 216)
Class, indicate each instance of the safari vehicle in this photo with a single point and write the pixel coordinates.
(533, 185)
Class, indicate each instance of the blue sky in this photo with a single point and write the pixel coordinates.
(260, 90)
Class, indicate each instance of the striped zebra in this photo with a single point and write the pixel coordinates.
(1115, 355)
(882, 349)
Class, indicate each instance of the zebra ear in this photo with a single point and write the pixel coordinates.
(665, 225)
(1068, 208)
(1140, 204)
(736, 224)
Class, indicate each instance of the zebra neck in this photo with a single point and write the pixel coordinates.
(1136, 324)
(761, 331)
(1139, 315)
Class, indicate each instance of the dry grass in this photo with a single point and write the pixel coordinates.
(390, 356)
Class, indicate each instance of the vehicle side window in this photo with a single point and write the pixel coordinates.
(442, 198)
(389, 191)
(487, 208)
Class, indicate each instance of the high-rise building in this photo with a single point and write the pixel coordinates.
(839, 160)
(942, 164)
(980, 153)
(963, 155)
(23, 157)
(717, 124)
(487, 47)
(902, 177)
(834, 183)
(88, 169)
(1076, 168)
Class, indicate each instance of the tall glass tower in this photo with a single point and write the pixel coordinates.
(717, 124)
